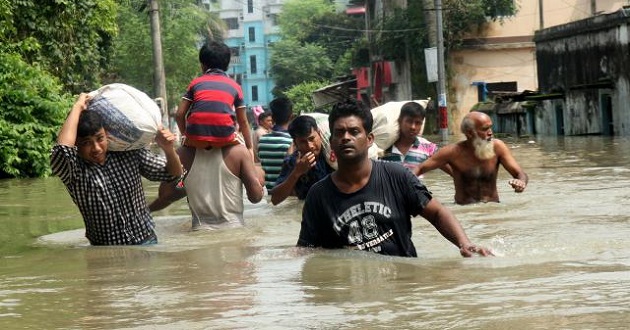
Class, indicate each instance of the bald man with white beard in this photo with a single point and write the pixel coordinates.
(475, 162)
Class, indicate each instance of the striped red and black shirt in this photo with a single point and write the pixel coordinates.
(212, 116)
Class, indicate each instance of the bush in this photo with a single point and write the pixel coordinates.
(33, 107)
(300, 95)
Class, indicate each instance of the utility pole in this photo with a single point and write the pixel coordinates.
(541, 15)
(369, 45)
(159, 78)
(442, 109)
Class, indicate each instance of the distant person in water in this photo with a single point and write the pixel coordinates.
(411, 149)
(475, 162)
(275, 146)
(305, 166)
(265, 126)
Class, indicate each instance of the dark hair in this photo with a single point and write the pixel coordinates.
(215, 55)
(302, 126)
(412, 109)
(351, 107)
(90, 122)
(281, 110)
(264, 116)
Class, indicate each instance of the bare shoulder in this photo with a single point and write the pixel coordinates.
(499, 145)
(237, 152)
(451, 149)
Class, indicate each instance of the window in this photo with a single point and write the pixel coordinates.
(252, 64)
(252, 34)
(495, 89)
(231, 23)
(250, 6)
(254, 93)
(235, 55)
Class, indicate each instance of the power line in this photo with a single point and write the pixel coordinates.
(369, 30)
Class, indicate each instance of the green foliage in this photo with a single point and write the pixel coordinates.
(300, 95)
(46, 47)
(404, 30)
(293, 63)
(464, 16)
(343, 64)
(6, 21)
(407, 28)
(70, 39)
(499, 9)
(316, 43)
(184, 26)
(298, 17)
(336, 33)
(33, 108)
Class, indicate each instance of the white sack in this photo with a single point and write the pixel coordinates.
(130, 117)
(385, 127)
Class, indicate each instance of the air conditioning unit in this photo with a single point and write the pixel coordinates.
(244, 75)
(240, 16)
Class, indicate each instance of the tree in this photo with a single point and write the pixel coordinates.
(300, 95)
(33, 108)
(70, 39)
(293, 63)
(298, 17)
(463, 16)
(185, 26)
(33, 100)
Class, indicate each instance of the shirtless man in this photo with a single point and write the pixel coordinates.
(475, 162)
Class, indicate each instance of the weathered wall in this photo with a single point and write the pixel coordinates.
(581, 59)
(487, 65)
(582, 114)
(546, 117)
(621, 101)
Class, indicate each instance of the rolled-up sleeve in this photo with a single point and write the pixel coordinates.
(63, 161)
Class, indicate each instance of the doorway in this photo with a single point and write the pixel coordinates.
(608, 127)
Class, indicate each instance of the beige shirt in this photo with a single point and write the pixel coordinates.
(215, 195)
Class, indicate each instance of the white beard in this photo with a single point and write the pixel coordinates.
(484, 149)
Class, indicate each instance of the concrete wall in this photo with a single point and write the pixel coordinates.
(490, 66)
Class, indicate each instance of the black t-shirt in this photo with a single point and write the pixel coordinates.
(375, 218)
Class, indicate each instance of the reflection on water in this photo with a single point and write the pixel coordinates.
(562, 261)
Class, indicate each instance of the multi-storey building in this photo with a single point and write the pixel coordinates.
(252, 28)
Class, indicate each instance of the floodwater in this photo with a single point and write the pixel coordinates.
(563, 261)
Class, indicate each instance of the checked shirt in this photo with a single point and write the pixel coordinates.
(110, 196)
